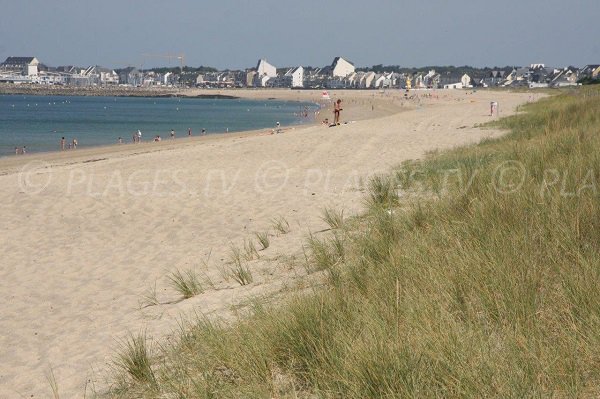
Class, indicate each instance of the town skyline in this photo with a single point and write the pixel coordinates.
(231, 35)
(341, 74)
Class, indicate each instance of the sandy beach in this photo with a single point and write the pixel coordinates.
(88, 234)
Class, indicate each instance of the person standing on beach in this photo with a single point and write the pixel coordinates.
(203, 131)
(189, 131)
(62, 144)
(139, 136)
(337, 108)
(74, 144)
(172, 133)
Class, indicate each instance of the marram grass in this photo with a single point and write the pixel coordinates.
(487, 288)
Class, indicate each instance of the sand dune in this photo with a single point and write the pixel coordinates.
(86, 233)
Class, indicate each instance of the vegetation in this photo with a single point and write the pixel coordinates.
(134, 363)
(588, 80)
(250, 252)
(238, 270)
(186, 69)
(263, 240)
(486, 286)
(281, 225)
(333, 218)
(187, 283)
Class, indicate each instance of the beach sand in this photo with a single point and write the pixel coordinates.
(87, 233)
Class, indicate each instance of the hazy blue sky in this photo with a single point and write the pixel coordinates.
(236, 33)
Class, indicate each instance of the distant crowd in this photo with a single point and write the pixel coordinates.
(136, 137)
(21, 150)
(71, 145)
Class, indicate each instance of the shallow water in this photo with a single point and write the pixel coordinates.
(39, 122)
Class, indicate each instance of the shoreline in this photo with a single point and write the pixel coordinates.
(127, 148)
(213, 96)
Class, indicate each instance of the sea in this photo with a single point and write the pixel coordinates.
(39, 122)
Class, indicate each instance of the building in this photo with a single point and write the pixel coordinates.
(52, 78)
(589, 71)
(340, 68)
(21, 65)
(294, 77)
(130, 76)
(457, 85)
(107, 76)
(264, 72)
(432, 79)
(250, 78)
(493, 78)
(367, 80)
(565, 77)
(264, 68)
(466, 81)
(381, 81)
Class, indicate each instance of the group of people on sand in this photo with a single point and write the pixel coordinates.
(71, 146)
(137, 136)
(337, 109)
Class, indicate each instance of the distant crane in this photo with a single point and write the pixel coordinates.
(180, 57)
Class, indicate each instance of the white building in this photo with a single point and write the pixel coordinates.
(466, 81)
(264, 72)
(380, 81)
(167, 77)
(341, 68)
(295, 77)
(108, 76)
(51, 78)
(265, 69)
(458, 85)
(22, 65)
(368, 80)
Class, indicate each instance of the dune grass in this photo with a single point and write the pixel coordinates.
(488, 288)
(134, 364)
(263, 239)
(238, 269)
(187, 283)
(51, 379)
(333, 218)
(281, 225)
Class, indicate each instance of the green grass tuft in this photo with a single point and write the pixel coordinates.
(134, 360)
(238, 270)
(187, 283)
(281, 225)
(263, 240)
(333, 218)
(383, 192)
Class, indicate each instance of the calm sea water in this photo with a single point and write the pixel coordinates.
(39, 122)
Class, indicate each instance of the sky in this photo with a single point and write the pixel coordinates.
(234, 34)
